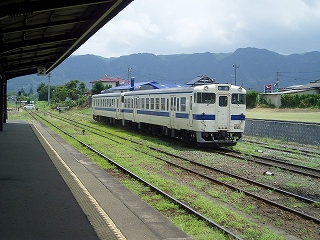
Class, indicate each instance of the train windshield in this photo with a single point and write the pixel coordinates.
(238, 98)
(204, 97)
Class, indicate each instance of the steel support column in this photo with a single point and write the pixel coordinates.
(2, 100)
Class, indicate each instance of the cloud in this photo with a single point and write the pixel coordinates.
(171, 27)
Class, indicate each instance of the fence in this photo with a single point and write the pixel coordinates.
(305, 133)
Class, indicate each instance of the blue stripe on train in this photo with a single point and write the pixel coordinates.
(178, 115)
(204, 117)
(238, 117)
(153, 113)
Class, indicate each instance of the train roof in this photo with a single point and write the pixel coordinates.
(141, 86)
(200, 80)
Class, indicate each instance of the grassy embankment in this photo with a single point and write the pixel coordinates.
(298, 114)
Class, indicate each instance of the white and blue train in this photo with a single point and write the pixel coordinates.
(208, 114)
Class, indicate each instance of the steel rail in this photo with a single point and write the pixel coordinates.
(236, 154)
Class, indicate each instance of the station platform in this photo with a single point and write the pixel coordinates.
(49, 190)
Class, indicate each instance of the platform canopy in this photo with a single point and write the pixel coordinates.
(37, 35)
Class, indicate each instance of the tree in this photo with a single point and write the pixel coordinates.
(97, 87)
(42, 92)
(73, 90)
(252, 99)
(82, 88)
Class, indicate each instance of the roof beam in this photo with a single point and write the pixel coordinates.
(22, 51)
(29, 65)
(29, 43)
(27, 7)
(45, 25)
(43, 56)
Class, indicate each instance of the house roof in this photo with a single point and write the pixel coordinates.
(43, 33)
(112, 79)
(200, 80)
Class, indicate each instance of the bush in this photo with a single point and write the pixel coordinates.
(252, 99)
(300, 100)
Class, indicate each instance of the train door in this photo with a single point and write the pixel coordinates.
(135, 106)
(190, 112)
(121, 106)
(223, 112)
(117, 104)
(173, 101)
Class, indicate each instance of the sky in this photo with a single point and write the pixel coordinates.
(165, 27)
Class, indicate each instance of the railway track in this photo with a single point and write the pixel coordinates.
(207, 172)
(273, 162)
(284, 148)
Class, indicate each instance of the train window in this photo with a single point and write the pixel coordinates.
(238, 98)
(122, 99)
(147, 103)
(152, 103)
(157, 103)
(142, 102)
(223, 88)
(197, 98)
(163, 104)
(190, 102)
(168, 104)
(178, 104)
(208, 98)
(223, 101)
(183, 104)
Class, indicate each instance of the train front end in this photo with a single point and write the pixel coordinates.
(219, 114)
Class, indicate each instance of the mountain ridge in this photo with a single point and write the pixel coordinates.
(256, 68)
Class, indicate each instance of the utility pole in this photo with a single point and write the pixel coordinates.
(276, 85)
(129, 75)
(235, 73)
(49, 89)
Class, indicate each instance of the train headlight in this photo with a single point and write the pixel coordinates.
(206, 88)
(236, 126)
